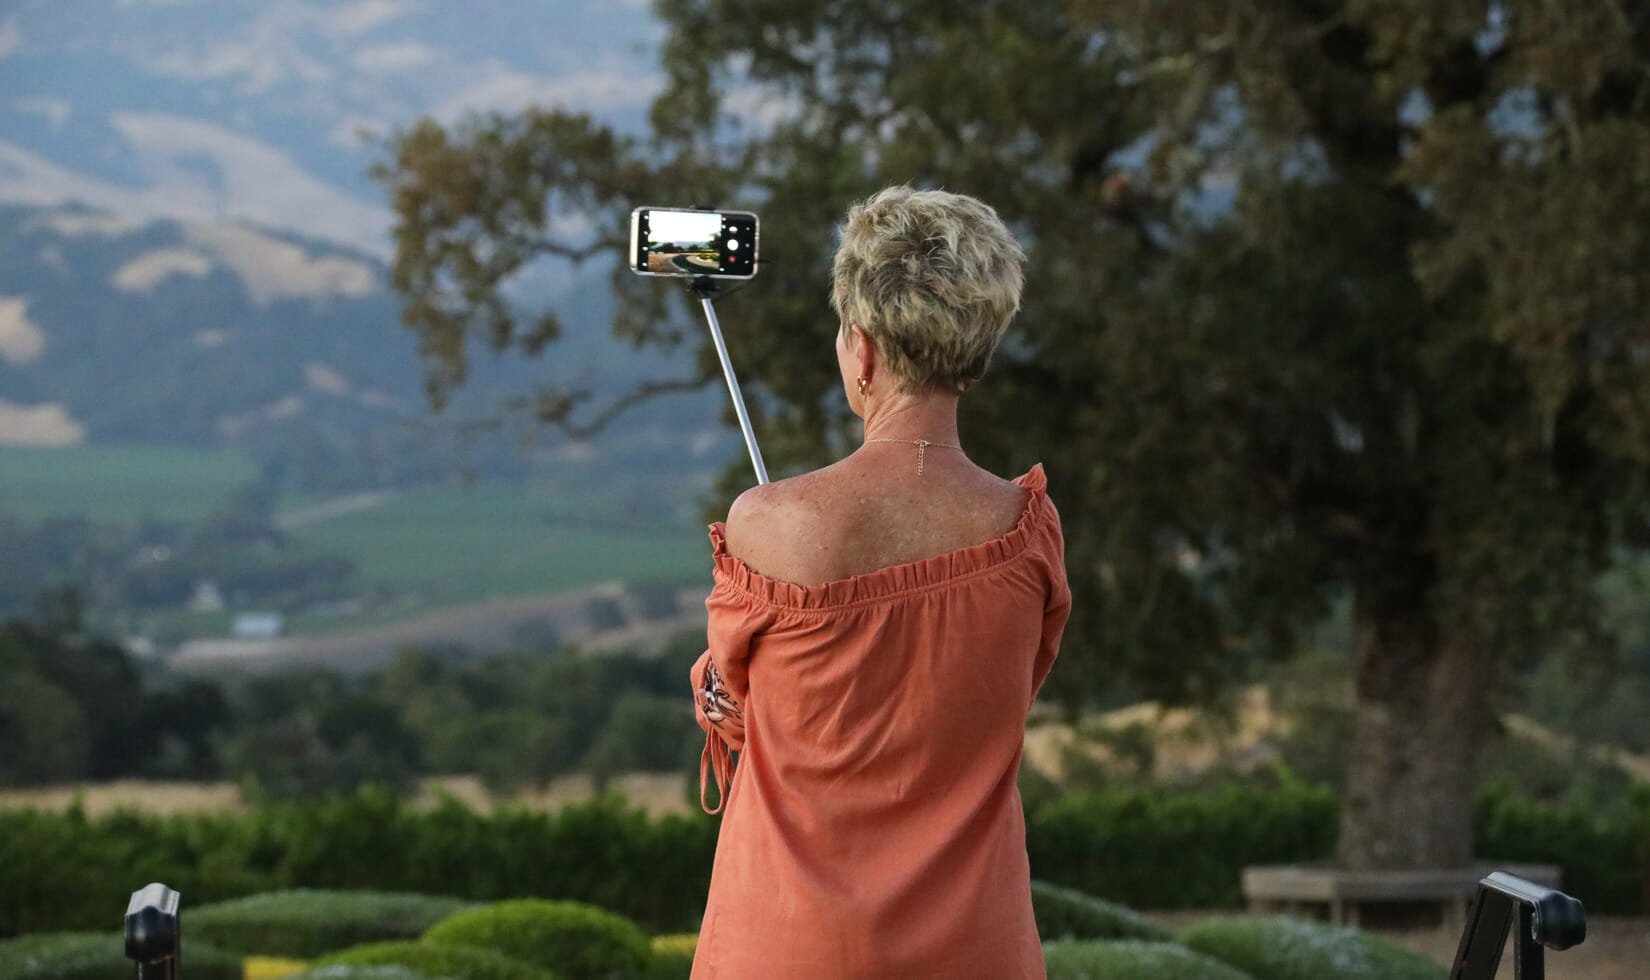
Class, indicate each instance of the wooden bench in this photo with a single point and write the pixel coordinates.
(1343, 895)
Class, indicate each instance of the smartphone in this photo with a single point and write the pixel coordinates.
(691, 242)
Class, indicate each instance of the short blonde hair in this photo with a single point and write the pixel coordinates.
(934, 278)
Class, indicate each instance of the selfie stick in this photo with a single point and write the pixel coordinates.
(704, 287)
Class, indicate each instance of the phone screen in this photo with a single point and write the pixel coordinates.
(682, 242)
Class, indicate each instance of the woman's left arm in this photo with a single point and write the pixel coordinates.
(1056, 608)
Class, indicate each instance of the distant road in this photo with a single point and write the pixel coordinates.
(490, 625)
(326, 510)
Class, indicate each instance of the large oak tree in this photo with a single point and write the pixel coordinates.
(1326, 299)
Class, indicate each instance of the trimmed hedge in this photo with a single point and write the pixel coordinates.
(577, 941)
(460, 962)
(1605, 855)
(1132, 959)
(97, 956)
(56, 868)
(1147, 848)
(1065, 913)
(1288, 949)
(1151, 848)
(304, 923)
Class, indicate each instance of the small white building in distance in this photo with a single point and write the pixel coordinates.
(258, 625)
(207, 598)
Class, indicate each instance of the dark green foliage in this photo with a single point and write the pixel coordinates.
(97, 956)
(668, 966)
(578, 941)
(1065, 913)
(73, 707)
(306, 923)
(76, 707)
(1604, 853)
(55, 869)
(458, 962)
(1132, 960)
(644, 732)
(315, 732)
(523, 719)
(1157, 849)
(1289, 949)
(1147, 849)
(1324, 301)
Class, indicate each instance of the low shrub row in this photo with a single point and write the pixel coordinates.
(1146, 848)
(535, 939)
(577, 941)
(1066, 913)
(305, 923)
(1241, 948)
(1159, 849)
(1289, 949)
(1132, 959)
(97, 956)
(430, 960)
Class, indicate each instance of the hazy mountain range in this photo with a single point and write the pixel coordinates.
(268, 111)
(190, 248)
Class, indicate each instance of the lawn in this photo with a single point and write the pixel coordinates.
(119, 484)
(426, 547)
(456, 544)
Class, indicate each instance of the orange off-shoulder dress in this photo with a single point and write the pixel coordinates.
(873, 827)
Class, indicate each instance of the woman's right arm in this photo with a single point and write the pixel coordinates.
(721, 687)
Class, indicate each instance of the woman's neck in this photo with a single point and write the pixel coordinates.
(915, 416)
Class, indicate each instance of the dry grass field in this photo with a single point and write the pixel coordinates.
(657, 793)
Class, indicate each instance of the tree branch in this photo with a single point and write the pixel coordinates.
(556, 408)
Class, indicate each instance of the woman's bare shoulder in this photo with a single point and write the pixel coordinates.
(785, 529)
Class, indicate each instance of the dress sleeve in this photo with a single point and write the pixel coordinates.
(721, 686)
(1057, 607)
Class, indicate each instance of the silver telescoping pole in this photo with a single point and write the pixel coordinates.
(733, 389)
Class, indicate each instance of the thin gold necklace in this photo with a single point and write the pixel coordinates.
(922, 448)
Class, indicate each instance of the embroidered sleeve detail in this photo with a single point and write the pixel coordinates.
(714, 699)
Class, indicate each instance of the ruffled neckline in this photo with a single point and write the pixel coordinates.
(892, 580)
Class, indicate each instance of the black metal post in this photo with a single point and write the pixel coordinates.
(152, 932)
(1537, 917)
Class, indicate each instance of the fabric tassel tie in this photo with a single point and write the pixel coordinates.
(717, 761)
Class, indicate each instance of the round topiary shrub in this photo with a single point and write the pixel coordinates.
(96, 956)
(672, 957)
(304, 924)
(578, 941)
(1289, 949)
(1065, 913)
(1132, 959)
(431, 960)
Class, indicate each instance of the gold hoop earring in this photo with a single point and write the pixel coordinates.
(864, 386)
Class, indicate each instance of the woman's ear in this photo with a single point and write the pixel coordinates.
(864, 350)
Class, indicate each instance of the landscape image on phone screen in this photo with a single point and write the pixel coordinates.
(683, 242)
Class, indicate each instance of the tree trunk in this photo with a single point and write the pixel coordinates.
(1421, 705)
